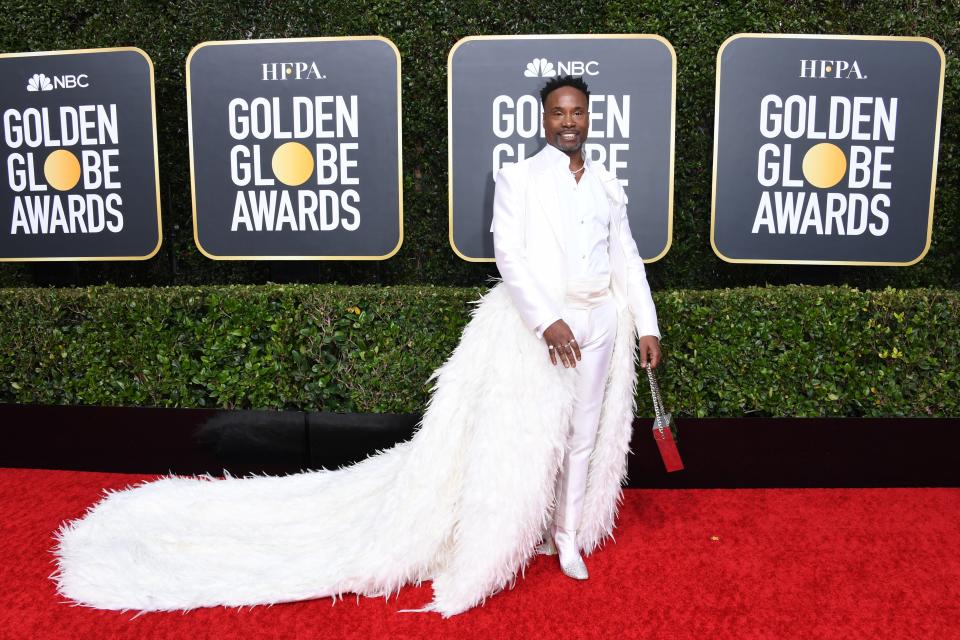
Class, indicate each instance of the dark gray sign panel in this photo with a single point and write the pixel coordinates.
(295, 149)
(825, 148)
(78, 156)
(495, 119)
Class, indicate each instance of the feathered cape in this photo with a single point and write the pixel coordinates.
(463, 503)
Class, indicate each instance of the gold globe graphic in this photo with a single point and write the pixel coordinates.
(824, 165)
(62, 170)
(292, 164)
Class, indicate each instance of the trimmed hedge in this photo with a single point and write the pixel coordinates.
(774, 351)
(424, 31)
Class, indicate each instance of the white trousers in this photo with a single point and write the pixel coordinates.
(593, 320)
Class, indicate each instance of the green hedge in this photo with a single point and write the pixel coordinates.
(775, 351)
(424, 31)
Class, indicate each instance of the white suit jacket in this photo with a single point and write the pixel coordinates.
(529, 244)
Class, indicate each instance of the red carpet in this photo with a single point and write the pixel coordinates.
(705, 564)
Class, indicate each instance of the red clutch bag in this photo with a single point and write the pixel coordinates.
(664, 428)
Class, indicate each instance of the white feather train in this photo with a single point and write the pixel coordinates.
(463, 503)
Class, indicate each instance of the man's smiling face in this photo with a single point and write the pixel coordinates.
(566, 120)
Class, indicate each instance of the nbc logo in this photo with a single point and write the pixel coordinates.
(39, 82)
(540, 68)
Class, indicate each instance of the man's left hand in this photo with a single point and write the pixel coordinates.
(649, 351)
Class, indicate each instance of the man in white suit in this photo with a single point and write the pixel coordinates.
(461, 502)
(564, 248)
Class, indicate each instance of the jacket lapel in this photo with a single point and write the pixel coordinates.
(546, 186)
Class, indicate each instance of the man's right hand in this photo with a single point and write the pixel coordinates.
(562, 344)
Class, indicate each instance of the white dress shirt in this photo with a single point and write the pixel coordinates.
(586, 216)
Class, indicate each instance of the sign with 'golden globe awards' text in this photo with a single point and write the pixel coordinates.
(295, 148)
(495, 119)
(79, 156)
(825, 148)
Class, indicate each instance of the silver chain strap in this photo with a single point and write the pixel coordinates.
(657, 400)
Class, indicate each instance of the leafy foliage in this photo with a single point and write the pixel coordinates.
(771, 351)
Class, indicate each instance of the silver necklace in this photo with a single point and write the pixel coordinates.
(582, 167)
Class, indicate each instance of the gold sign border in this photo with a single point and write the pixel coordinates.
(716, 142)
(562, 36)
(156, 162)
(193, 190)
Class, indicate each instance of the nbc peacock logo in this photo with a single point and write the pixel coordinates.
(39, 82)
(540, 68)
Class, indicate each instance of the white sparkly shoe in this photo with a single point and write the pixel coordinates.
(571, 564)
(547, 547)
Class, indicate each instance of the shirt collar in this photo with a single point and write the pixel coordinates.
(561, 161)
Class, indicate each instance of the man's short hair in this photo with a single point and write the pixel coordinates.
(563, 81)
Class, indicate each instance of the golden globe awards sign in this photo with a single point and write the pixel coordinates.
(494, 106)
(295, 148)
(825, 149)
(79, 161)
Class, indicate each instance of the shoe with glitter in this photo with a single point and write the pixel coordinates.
(547, 547)
(571, 563)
